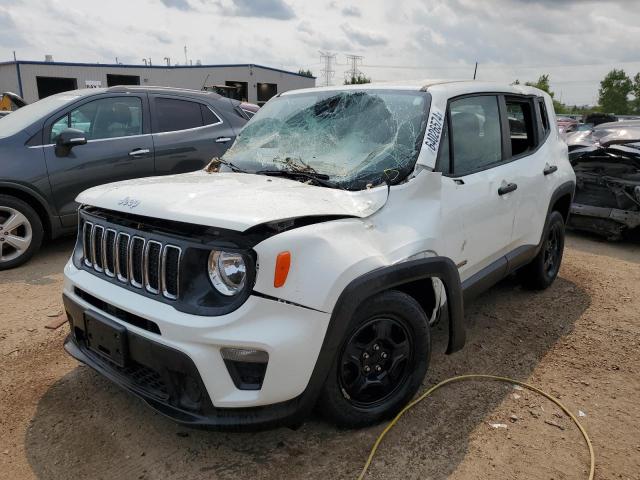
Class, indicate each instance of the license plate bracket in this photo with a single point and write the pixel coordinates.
(106, 338)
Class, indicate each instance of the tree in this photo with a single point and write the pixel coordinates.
(543, 84)
(305, 73)
(636, 93)
(357, 79)
(613, 95)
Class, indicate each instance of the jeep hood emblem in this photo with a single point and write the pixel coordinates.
(129, 202)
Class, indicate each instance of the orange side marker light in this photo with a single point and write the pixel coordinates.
(283, 262)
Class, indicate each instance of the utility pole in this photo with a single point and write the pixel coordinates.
(328, 67)
(186, 59)
(475, 71)
(353, 72)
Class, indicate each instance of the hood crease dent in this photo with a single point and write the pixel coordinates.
(235, 201)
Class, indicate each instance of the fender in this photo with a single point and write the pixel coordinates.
(562, 190)
(52, 218)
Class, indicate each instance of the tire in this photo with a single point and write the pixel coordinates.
(21, 232)
(391, 323)
(541, 272)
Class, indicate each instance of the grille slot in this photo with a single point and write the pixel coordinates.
(170, 270)
(132, 259)
(96, 247)
(122, 256)
(152, 260)
(136, 254)
(109, 252)
(87, 257)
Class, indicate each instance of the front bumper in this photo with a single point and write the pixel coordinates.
(183, 355)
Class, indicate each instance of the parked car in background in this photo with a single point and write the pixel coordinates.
(10, 101)
(57, 147)
(596, 118)
(566, 124)
(250, 109)
(606, 160)
(308, 264)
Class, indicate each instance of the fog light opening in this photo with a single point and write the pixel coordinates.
(247, 367)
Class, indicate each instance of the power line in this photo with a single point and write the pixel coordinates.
(353, 72)
(328, 67)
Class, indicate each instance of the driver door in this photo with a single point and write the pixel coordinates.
(119, 147)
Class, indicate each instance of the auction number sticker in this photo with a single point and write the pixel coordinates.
(434, 129)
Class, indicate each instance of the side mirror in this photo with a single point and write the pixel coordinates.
(68, 139)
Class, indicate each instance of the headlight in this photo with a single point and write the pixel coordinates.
(227, 271)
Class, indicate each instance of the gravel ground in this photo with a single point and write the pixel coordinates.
(579, 340)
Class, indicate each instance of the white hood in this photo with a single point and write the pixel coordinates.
(236, 201)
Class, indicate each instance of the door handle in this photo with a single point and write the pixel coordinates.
(550, 169)
(223, 139)
(509, 187)
(138, 151)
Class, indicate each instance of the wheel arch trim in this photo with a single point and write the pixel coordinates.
(37, 202)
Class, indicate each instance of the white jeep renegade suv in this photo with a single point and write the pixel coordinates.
(306, 266)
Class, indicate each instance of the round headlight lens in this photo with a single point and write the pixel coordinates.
(227, 271)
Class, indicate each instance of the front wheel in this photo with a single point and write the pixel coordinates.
(381, 362)
(544, 268)
(20, 232)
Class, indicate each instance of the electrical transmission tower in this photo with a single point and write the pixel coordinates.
(353, 72)
(328, 71)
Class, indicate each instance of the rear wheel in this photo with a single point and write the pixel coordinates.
(381, 363)
(21, 232)
(544, 268)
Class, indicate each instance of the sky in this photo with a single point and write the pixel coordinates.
(576, 42)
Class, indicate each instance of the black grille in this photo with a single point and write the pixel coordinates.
(98, 232)
(171, 265)
(133, 259)
(109, 253)
(123, 315)
(137, 251)
(122, 257)
(152, 263)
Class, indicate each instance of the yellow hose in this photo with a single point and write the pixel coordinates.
(479, 377)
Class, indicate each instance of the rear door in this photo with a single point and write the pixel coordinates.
(531, 154)
(119, 147)
(187, 133)
(477, 182)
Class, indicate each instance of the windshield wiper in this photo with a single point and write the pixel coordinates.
(214, 166)
(321, 178)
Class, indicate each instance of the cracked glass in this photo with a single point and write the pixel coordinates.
(350, 139)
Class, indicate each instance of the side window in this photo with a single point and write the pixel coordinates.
(521, 126)
(543, 116)
(208, 117)
(104, 118)
(475, 133)
(58, 126)
(173, 114)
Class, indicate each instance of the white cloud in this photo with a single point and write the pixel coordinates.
(576, 42)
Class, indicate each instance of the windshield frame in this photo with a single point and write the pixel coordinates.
(404, 173)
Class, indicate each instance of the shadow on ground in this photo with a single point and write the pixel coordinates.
(85, 427)
(49, 261)
(627, 250)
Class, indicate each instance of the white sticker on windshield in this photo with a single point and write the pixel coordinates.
(434, 129)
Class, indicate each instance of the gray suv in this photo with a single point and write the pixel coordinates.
(57, 147)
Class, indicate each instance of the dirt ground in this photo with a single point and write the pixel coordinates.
(579, 340)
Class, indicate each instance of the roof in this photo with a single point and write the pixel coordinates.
(459, 86)
(166, 67)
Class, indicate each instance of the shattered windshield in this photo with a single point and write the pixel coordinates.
(344, 139)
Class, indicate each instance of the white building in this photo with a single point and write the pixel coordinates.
(253, 83)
